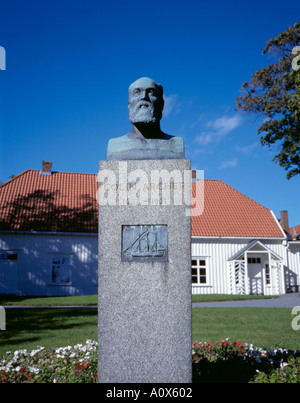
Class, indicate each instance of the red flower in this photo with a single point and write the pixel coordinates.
(79, 367)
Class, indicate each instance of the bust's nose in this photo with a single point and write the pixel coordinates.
(144, 94)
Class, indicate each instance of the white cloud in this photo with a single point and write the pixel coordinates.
(225, 124)
(229, 164)
(218, 128)
(246, 149)
(171, 103)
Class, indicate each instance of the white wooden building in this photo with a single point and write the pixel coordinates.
(49, 234)
(49, 239)
(239, 247)
(52, 264)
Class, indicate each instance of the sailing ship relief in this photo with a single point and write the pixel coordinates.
(144, 243)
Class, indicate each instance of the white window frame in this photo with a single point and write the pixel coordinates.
(200, 266)
(58, 260)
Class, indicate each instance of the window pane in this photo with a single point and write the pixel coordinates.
(202, 262)
(258, 260)
(64, 276)
(202, 280)
(66, 260)
(194, 272)
(12, 256)
(56, 260)
(202, 272)
(194, 262)
(54, 274)
(194, 280)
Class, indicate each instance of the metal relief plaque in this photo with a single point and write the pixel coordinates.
(144, 243)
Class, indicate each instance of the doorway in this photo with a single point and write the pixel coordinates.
(255, 273)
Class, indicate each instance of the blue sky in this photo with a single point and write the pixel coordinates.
(69, 64)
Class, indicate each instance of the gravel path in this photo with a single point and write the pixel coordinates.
(284, 301)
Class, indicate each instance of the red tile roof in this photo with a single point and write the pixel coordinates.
(66, 202)
(60, 202)
(295, 232)
(229, 213)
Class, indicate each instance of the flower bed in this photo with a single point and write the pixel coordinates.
(77, 364)
(235, 362)
(223, 362)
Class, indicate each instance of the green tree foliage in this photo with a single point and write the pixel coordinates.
(273, 93)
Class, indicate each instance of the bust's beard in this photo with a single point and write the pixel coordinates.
(142, 115)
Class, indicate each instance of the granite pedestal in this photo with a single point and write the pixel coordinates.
(144, 302)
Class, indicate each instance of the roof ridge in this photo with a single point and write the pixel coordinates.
(63, 172)
(74, 173)
(37, 170)
(2, 185)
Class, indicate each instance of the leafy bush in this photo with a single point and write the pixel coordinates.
(288, 372)
(235, 362)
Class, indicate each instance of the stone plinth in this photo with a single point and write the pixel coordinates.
(144, 272)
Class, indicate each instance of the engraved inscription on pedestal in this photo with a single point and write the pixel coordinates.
(144, 243)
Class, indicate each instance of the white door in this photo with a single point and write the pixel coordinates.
(255, 272)
(8, 273)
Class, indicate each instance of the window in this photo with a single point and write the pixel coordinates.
(61, 269)
(254, 260)
(4, 256)
(199, 274)
(268, 275)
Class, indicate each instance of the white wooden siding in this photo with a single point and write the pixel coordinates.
(35, 251)
(34, 262)
(218, 252)
(293, 271)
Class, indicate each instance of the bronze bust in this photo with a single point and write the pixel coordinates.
(146, 140)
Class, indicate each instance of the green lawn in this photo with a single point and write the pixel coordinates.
(92, 299)
(29, 328)
(226, 297)
(263, 327)
(48, 301)
(62, 327)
